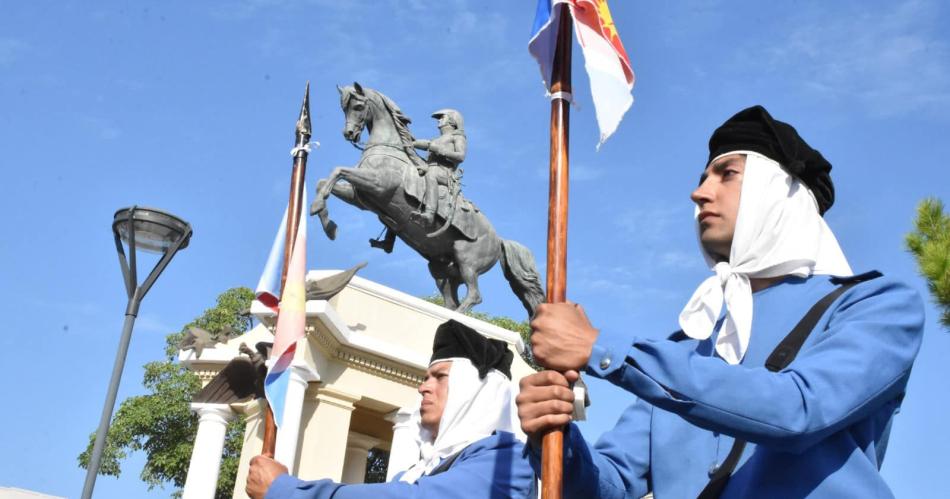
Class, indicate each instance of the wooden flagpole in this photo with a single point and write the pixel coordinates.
(552, 444)
(297, 185)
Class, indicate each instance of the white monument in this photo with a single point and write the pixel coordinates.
(353, 386)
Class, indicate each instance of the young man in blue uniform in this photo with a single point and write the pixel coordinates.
(467, 448)
(720, 409)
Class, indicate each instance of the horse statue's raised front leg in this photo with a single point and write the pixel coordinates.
(319, 208)
(363, 179)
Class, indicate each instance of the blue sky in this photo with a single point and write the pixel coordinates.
(190, 107)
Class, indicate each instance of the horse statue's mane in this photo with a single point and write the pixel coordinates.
(400, 120)
(402, 126)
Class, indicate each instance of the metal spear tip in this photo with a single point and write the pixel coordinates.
(303, 122)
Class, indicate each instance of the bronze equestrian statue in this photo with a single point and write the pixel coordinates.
(421, 201)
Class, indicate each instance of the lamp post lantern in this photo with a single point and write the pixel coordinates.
(152, 231)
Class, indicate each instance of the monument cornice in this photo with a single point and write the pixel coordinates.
(351, 357)
(422, 306)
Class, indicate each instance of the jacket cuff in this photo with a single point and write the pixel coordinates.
(608, 354)
(282, 486)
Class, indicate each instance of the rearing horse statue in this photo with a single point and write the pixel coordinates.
(386, 182)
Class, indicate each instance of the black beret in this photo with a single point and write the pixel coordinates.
(454, 339)
(754, 129)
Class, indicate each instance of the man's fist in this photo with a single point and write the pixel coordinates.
(561, 336)
(261, 474)
(546, 402)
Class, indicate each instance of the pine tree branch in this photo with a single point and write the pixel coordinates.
(930, 245)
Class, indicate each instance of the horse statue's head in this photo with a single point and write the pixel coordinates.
(354, 101)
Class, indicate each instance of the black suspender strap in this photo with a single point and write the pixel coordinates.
(785, 352)
(779, 359)
(445, 464)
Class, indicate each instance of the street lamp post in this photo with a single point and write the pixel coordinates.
(149, 230)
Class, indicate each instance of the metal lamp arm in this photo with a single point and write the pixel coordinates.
(132, 266)
(126, 275)
(159, 267)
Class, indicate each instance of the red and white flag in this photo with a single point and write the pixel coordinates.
(291, 322)
(606, 61)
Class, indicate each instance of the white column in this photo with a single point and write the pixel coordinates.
(286, 448)
(205, 463)
(357, 451)
(327, 426)
(404, 451)
(253, 440)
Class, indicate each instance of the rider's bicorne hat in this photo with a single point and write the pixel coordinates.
(754, 129)
(454, 339)
(454, 116)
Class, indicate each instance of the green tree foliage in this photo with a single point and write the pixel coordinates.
(521, 327)
(161, 423)
(930, 244)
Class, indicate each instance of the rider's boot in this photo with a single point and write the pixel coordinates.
(382, 244)
(386, 244)
(427, 218)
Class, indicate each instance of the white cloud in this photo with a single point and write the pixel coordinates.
(350, 217)
(890, 62)
(10, 50)
(578, 173)
(149, 323)
(412, 262)
(680, 259)
(660, 239)
(581, 173)
(247, 8)
(654, 223)
(102, 128)
(464, 22)
(70, 308)
(619, 282)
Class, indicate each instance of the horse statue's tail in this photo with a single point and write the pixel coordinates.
(517, 263)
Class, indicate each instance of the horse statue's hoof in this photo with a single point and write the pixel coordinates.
(330, 229)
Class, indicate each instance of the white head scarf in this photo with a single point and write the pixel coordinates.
(475, 408)
(778, 232)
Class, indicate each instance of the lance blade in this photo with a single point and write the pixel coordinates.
(303, 122)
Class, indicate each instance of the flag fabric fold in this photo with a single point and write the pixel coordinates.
(291, 323)
(605, 59)
(268, 287)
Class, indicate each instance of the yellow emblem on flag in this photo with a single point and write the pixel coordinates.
(606, 21)
(294, 299)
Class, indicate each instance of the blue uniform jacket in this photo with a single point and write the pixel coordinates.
(491, 468)
(816, 429)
